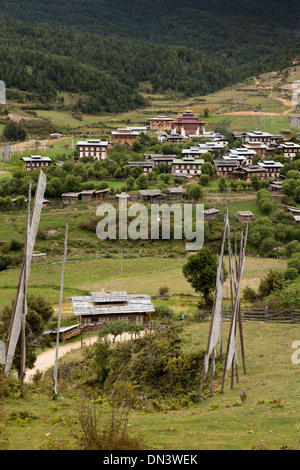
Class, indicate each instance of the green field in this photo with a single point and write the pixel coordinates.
(270, 414)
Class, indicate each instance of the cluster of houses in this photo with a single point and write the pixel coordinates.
(254, 156)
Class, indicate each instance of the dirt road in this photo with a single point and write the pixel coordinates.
(46, 359)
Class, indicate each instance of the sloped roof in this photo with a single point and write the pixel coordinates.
(106, 303)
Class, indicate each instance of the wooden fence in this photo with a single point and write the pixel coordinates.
(289, 315)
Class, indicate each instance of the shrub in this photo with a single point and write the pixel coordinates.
(163, 290)
(162, 311)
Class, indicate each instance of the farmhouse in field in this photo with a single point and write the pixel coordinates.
(35, 161)
(100, 307)
(93, 148)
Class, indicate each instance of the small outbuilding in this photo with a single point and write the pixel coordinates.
(101, 194)
(176, 193)
(152, 195)
(245, 217)
(87, 195)
(211, 214)
(70, 198)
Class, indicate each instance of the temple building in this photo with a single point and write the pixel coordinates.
(187, 123)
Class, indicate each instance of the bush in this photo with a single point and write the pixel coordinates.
(163, 290)
(5, 262)
(15, 245)
(204, 180)
(249, 295)
(162, 311)
(291, 274)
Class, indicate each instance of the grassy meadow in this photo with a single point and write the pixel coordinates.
(267, 419)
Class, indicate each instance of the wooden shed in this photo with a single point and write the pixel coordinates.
(176, 193)
(70, 198)
(211, 214)
(152, 195)
(46, 203)
(65, 332)
(246, 217)
(101, 194)
(87, 195)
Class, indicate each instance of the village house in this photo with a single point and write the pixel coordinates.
(225, 168)
(187, 166)
(102, 307)
(258, 136)
(172, 138)
(160, 123)
(159, 158)
(215, 148)
(146, 166)
(289, 150)
(194, 152)
(138, 129)
(245, 217)
(261, 149)
(93, 148)
(123, 138)
(272, 168)
(187, 123)
(35, 161)
(245, 173)
(240, 159)
(248, 154)
(215, 137)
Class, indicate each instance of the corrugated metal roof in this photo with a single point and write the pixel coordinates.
(95, 304)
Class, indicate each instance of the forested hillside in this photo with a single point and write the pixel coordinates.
(105, 72)
(237, 30)
(103, 50)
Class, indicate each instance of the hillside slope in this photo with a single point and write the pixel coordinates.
(238, 30)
